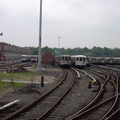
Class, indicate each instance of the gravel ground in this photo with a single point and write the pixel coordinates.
(31, 91)
(79, 96)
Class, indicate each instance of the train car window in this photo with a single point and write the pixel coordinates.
(62, 58)
(69, 58)
(84, 59)
(65, 58)
(80, 58)
(77, 59)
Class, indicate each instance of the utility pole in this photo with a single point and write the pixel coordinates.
(40, 34)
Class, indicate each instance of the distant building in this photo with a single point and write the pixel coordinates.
(11, 52)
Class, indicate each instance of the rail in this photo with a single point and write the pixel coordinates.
(78, 74)
(85, 111)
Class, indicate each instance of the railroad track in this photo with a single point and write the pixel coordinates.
(97, 105)
(103, 109)
(45, 103)
(14, 66)
(72, 101)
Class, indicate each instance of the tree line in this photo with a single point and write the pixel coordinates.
(94, 52)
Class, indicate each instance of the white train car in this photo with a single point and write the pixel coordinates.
(78, 61)
(26, 58)
(63, 60)
(34, 58)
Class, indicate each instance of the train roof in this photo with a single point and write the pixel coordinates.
(25, 55)
(62, 55)
(78, 56)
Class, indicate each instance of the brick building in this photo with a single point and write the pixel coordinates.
(11, 52)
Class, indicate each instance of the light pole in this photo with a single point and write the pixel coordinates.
(59, 46)
(40, 34)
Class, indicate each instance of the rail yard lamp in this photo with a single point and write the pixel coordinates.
(59, 46)
(40, 34)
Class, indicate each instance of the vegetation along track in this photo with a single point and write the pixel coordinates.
(105, 105)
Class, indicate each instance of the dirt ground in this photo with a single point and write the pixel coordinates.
(50, 74)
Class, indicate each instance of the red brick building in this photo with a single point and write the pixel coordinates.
(11, 52)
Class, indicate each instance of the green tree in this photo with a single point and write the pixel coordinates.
(47, 49)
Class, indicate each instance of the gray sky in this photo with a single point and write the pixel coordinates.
(79, 23)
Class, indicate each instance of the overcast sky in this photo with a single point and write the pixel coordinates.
(79, 23)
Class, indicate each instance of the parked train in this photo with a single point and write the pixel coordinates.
(88, 61)
(82, 61)
(105, 60)
(47, 58)
(78, 61)
(34, 58)
(26, 58)
(63, 60)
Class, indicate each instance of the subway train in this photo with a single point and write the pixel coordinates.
(105, 60)
(34, 58)
(29, 58)
(78, 61)
(63, 60)
(82, 61)
(47, 58)
(26, 58)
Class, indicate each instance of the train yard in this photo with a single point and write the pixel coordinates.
(74, 94)
(103, 103)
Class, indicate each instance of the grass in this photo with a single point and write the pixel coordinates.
(7, 85)
(8, 76)
(14, 76)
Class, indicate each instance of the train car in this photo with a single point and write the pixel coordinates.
(63, 60)
(34, 58)
(93, 60)
(98, 61)
(26, 58)
(108, 60)
(78, 61)
(88, 61)
(105, 60)
(116, 61)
